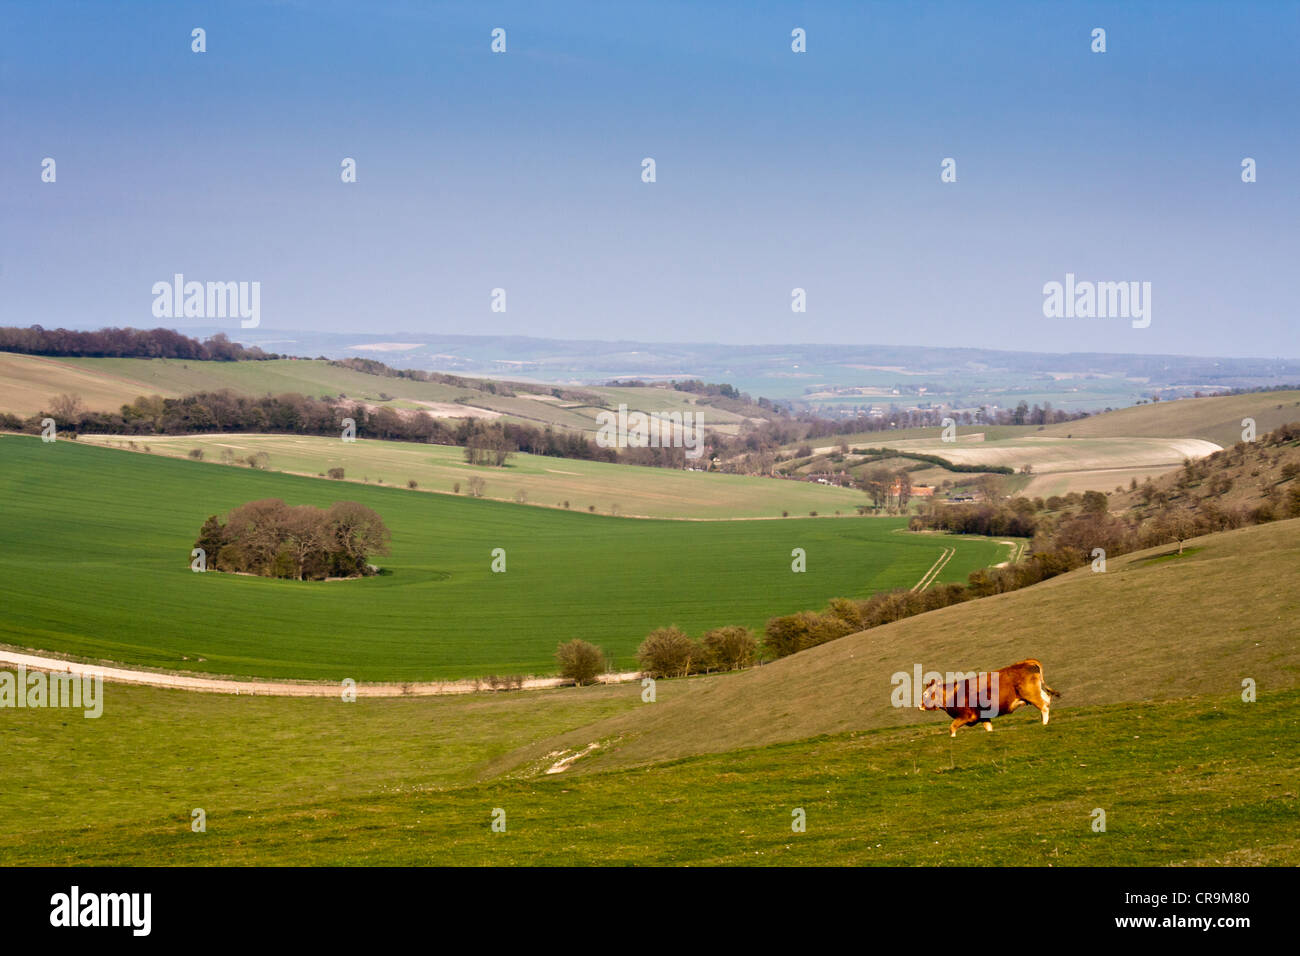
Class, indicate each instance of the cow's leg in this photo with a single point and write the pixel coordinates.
(957, 724)
(988, 725)
(1041, 701)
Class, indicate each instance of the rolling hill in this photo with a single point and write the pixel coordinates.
(1151, 627)
(1097, 453)
(1152, 729)
(105, 384)
(1214, 419)
(87, 531)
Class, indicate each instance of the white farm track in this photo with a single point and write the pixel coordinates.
(269, 688)
(935, 569)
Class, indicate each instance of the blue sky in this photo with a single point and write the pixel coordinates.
(774, 169)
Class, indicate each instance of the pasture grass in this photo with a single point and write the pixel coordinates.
(1198, 781)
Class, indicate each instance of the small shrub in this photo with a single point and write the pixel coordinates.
(196, 454)
(579, 661)
(335, 472)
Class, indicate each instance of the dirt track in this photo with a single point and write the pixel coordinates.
(215, 685)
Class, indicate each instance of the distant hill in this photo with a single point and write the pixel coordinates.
(1217, 418)
(845, 377)
(105, 384)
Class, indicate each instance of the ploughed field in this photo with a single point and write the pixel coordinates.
(95, 562)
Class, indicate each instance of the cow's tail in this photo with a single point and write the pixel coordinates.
(1039, 667)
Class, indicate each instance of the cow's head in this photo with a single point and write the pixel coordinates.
(932, 696)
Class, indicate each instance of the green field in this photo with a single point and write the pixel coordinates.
(630, 489)
(1152, 729)
(95, 550)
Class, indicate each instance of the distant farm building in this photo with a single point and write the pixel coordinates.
(917, 491)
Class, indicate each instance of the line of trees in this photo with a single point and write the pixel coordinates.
(671, 652)
(272, 539)
(229, 411)
(126, 343)
(886, 453)
(666, 652)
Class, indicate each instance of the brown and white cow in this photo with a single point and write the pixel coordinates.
(978, 698)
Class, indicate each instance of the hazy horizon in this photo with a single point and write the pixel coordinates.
(775, 170)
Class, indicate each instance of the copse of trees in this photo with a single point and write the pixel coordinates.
(272, 539)
(985, 518)
(488, 445)
(126, 343)
(671, 652)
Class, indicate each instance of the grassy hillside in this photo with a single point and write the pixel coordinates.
(1021, 796)
(95, 551)
(105, 384)
(1216, 419)
(1152, 730)
(634, 490)
(1148, 628)
(196, 747)
(1262, 472)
